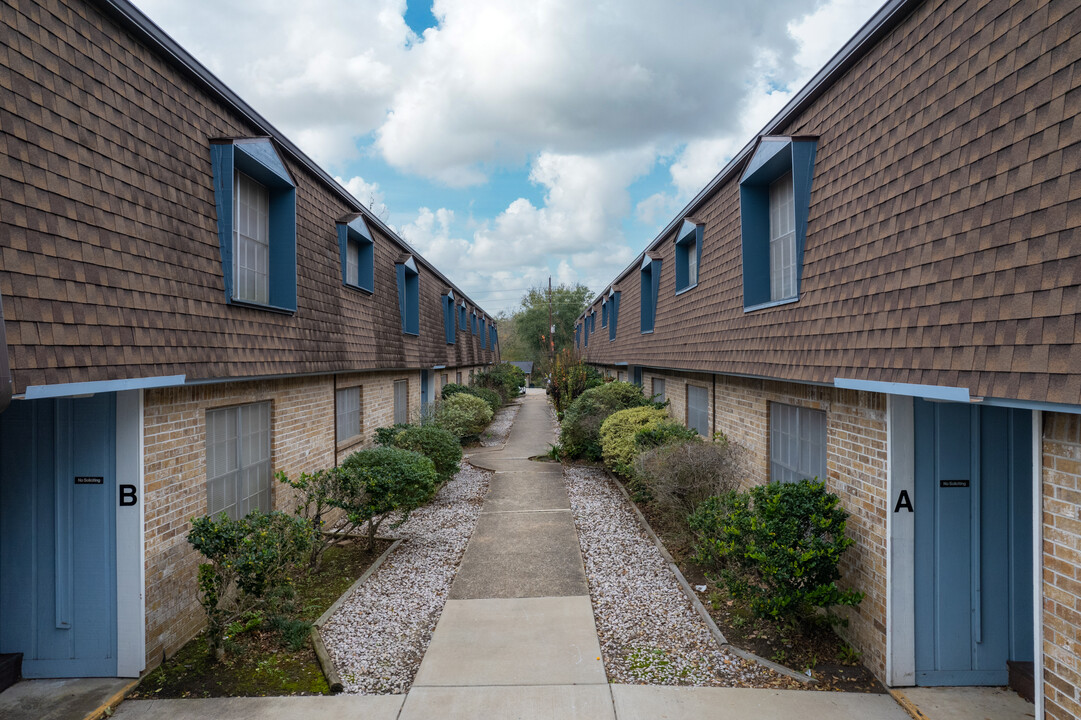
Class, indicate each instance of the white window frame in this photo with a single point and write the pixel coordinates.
(782, 238)
(238, 460)
(798, 443)
(349, 414)
(251, 240)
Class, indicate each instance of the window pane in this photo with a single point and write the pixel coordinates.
(251, 240)
(698, 410)
(782, 239)
(348, 416)
(658, 390)
(797, 443)
(401, 401)
(352, 262)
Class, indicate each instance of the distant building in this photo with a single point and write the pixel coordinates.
(525, 366)
(191, 304)
(883, 290)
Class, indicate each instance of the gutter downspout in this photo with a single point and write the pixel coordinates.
(5, 368)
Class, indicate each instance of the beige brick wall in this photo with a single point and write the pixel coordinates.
(302, 440)
(1062, 565)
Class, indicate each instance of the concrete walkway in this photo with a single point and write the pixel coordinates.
(517, 639)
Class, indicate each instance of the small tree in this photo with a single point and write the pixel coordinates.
(321, 497)
(385, 480)
(435, 443)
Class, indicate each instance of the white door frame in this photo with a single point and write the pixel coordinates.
(130, 544)
(901, 543)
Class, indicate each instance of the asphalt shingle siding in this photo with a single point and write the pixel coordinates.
(942, 243)
(109, 259)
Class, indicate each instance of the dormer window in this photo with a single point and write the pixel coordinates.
(688, 254)
(774, 197)
(357, 252)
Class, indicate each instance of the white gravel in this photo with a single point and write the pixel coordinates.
(649, 632)
(379, 634)
(497, 431)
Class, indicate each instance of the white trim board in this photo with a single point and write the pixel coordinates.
(130, 551)
(901, 544)
(1037, 559)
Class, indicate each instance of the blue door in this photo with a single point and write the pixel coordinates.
(973, 520)
(58, 536)
(423, 390)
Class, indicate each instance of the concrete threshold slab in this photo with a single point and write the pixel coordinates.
(334, 707)
(965, 703)
(546, 702)
(516, 555)
(526, 490)
(62, 698)
(524, 641)
(655, 702)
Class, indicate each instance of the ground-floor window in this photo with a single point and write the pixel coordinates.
(444, 380)
(238, 459)
(797, 443)
(698, 410)
(348, 413)
(621, 376)
(401, 401)
(657, 390)
(458, 377)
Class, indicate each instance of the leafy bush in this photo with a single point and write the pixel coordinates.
(618, 433)
(435, 443)
(494, 399)
(320, 496)
(464, 416)
(779, 545)
(580, 430)
(385, 480)
(666, 432)
(570, 377)
(504, 378)
(677, 477)
(385, 435)
(248, 559)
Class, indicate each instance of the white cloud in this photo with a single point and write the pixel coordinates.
(366, 192)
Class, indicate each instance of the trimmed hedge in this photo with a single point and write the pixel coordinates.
(435, 443)
(618, 434)
(464, 416)
(387, 479)
(494, 399)
(580, 430)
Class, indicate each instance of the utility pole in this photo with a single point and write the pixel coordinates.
(551, 327)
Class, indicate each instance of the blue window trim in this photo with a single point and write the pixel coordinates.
(483, 333)
(650, 292)
(476, 330)
(613, 314)
(493, 338)
(604, 313)
(463, 319)
(409, 295)
(688, 240)
(771, 159)
(448, 316)
(257, 158)
(354, 227)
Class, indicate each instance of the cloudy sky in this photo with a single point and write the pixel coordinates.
(513, 140)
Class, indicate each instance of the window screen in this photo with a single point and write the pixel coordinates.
(698, 410)
(401, 401)
(238, 460)
(251, 240)
(797, 443)
(348, 400)
(657, 390)
(352, 262)
(782, 239)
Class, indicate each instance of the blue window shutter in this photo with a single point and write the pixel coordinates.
(604, 313)
(448, 318)
(688, 242)
(613, 314)
(772, 158)
(258, 159)
(650, 289)
(401, 294)
(409, 295)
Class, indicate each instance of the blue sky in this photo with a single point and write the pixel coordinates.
(510, 141)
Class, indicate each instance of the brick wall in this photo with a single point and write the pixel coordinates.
(302, 439)
(675, 390)
(1062, 565)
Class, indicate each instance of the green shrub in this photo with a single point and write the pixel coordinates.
(676, 477)
(494, 399)
(778, 545)
(385, 480)
(570, 377)
(618, 432)
(453, 389)
(666, 432)
(435, 443)
(464, 416)
(248, 559)
(504, 378)
(580, 430)
(385, 435)
(318, 495)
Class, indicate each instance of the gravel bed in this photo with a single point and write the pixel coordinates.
(649, 632)
(497, 431)
(379, 634)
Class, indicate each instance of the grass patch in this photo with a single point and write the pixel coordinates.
(267, 657)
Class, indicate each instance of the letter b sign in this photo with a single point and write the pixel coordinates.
(128, 496)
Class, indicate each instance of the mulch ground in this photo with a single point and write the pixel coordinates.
(258, 662)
